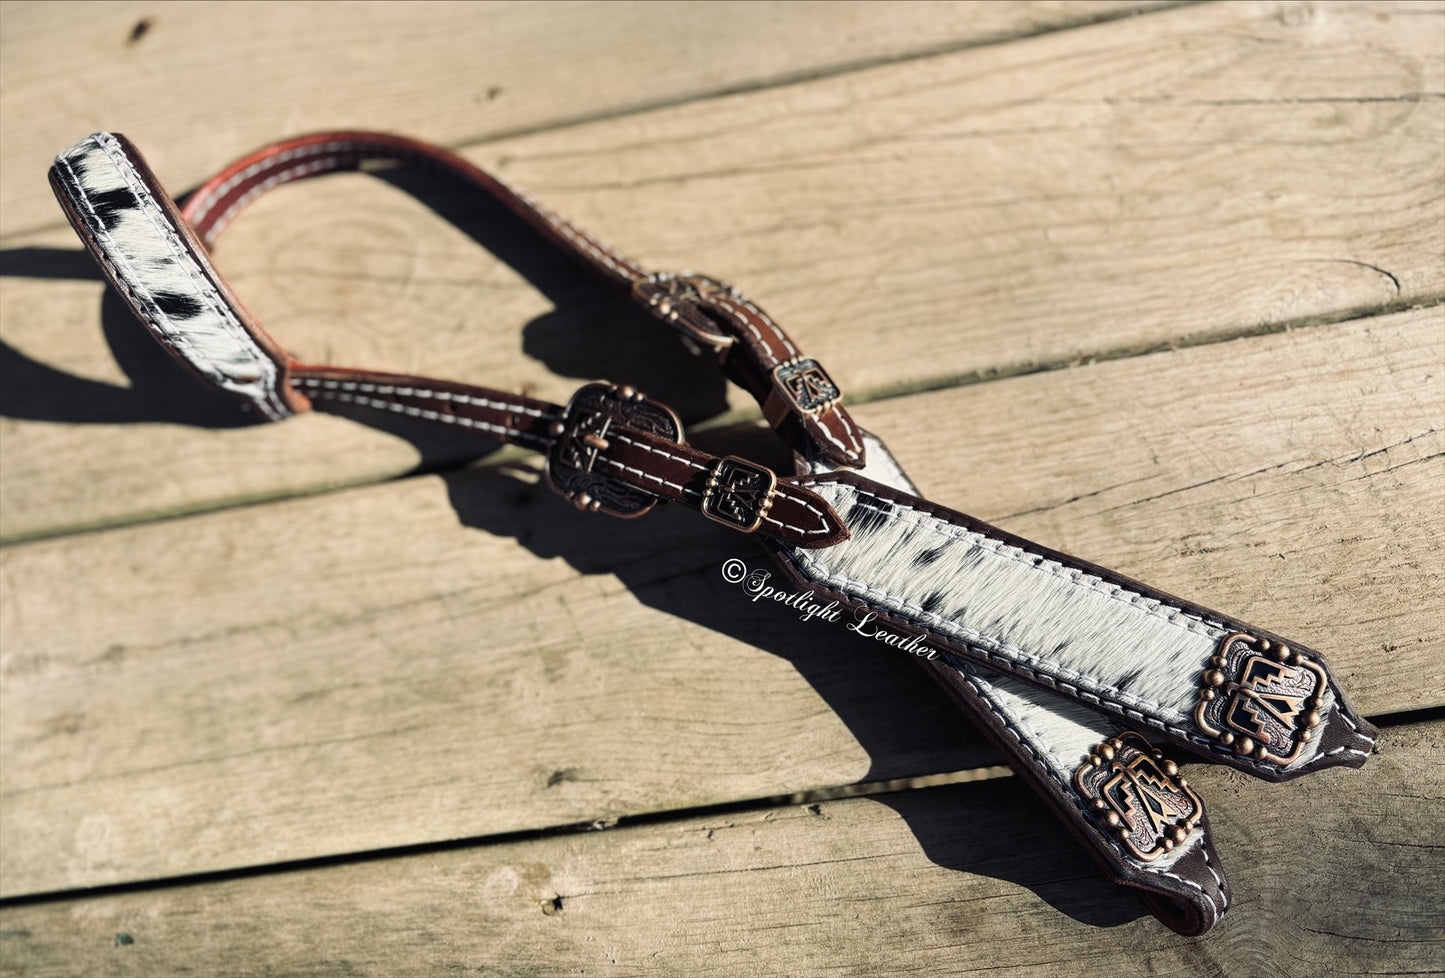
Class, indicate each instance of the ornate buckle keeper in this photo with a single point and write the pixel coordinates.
(739, 493)
(800, 385)
(594, 414)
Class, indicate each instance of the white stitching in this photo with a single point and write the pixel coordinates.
(590, 246)
(657, 451)
(1177, 617)
(783, 489)
(1032, 665)
(786, 490)
(271, 162)
(1086, 688)
(276, 179)
(1223, 897)
(648, 475)
(849, 429)
(966, 671)
(827, 433)
(441, 395)
(612, 260)
(727, 303)
(765, 354)
(417, 412)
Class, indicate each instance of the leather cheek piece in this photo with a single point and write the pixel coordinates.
(1210, 684)
(1089, 769)
(1121, 798)
(157, 265)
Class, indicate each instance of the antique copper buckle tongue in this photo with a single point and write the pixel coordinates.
(595, 412)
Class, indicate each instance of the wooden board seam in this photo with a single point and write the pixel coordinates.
(810, 798)
(805, 799)
(750, 412)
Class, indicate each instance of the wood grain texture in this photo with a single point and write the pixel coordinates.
(441, 658)
(1336, 874)
(204, 82)
(1166, 180)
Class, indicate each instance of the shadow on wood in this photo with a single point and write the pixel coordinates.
(672, 561)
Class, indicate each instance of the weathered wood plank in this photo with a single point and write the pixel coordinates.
(364, 670)
(1339, 874)
(1179, 177)
(203, 82)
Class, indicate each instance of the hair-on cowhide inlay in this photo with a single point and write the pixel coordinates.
(1051, 734)
(147, 260)
(1030, 614)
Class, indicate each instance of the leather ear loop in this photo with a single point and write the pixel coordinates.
(161, 270)
(755, 351)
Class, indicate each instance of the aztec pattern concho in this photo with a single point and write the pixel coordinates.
(739, 493)
(1260, 698)
(593, 414)
(806, 385)
(1138, 795)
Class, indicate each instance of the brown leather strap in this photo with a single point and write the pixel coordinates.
(661, 466)
(504, 417)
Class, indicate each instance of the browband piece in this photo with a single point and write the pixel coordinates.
(1074, 671)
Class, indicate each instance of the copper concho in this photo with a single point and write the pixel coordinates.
(1260, 698)
(575, 466)
(1138, 795)
(739, 493)
(806, 385)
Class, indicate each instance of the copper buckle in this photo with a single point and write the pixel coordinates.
(680, 300)
(576, 466)
(1260, 698)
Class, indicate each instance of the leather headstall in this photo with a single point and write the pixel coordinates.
(1078, 674)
